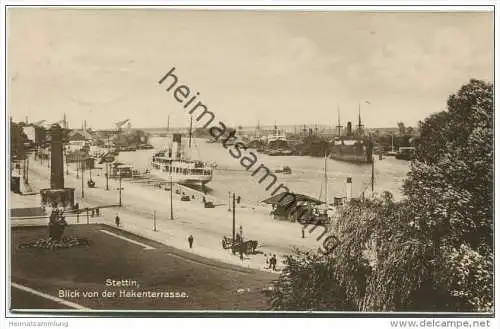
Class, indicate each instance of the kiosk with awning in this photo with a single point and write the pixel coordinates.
(289, 206)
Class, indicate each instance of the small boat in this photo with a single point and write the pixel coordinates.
(145, 147)
(285, 170)
(129, 148)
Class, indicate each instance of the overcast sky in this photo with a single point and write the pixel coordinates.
(103, 65)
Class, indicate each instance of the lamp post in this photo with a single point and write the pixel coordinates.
(154, 220)
(107, 177)
(66, 157)
(373, 176)
(120, 189)
(171, 195)
(83, 167)
(27, 168)
(234, 218)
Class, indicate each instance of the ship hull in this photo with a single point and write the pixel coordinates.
(361, 154)
(181, 178)
(354, 158)
(280, 152)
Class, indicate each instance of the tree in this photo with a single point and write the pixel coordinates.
(17, 139)
(432, 251)
(401, 127)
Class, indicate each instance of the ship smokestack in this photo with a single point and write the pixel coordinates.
(349, 128)
(348, 187)
(176, 145)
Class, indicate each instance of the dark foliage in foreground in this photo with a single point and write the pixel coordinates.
(432, 251)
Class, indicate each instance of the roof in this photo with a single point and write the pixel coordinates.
(77, 154)
(76, 136)
(287, 198)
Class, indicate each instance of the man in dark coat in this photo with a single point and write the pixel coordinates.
(190, 241)
(272, 262)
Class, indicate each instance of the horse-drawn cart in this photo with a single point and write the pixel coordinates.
(237, 245)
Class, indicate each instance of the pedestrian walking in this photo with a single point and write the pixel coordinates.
(190, 240)
(273, 262)
(92, 214)
(303, 233)
(117, 221)
(97, 211)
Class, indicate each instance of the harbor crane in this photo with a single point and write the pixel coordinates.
(38, 123)
(120, 124)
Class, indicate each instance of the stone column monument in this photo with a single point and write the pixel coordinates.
(57, 195)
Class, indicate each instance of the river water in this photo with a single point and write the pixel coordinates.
(307, 173)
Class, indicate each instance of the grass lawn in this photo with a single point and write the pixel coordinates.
(209, 285)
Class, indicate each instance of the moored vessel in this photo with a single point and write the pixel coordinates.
(171, 164)
(277, 144)
(353, 147)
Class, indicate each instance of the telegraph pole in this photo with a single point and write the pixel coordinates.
(234, 218)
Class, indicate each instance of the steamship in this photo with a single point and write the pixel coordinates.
(353, 147)
(277, 144)
(171, 164)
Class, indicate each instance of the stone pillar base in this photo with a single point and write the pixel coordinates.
(58, 198)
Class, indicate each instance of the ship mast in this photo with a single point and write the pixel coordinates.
(339, 127)
(392, 142)
(360, 125)
(190, 130)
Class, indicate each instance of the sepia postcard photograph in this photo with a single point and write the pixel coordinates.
(250, 161)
